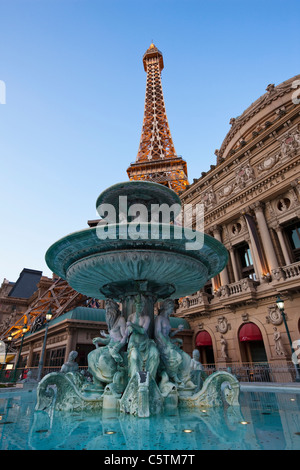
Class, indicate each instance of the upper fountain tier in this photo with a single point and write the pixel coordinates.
(130, 251)
(146, 193)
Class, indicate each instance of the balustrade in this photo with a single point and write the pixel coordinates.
(292, 270)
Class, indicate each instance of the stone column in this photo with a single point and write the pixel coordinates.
(223, 274)
(30, 355)
(234, 265)
(265, 236)
(255, 257)
(71, 341)
(285, 252)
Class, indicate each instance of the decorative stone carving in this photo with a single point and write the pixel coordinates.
(223, 291)
(278, 273)
(283, 204)
(201, 297)
(244, 175)
(208, 198)
(223, 326)
(246, 283)
(270, 88)
(281, 111)
(279, 348)
(236, 228)
(223, 348)
(184, 302)
(245, 317)
(226, 190)
(274, 315)
(268, 162)
(290, 143)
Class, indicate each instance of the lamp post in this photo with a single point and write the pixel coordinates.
(280, 305)
(24, 329)
(41, 363)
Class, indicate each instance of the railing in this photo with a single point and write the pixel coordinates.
(12, 376)
(244, 372)
(292, 270)
(232, 291)
(258, 372)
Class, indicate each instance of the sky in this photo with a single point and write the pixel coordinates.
(71, 120)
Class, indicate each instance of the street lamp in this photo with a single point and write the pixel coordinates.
(24, 329)
(41, 363)
(280, 305)
(49, 315)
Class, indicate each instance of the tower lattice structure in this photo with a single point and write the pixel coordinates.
(156, 159)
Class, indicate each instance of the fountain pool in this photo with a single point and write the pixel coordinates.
(263, 421)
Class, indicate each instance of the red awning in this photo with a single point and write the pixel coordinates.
(250, 332)
(203, 339)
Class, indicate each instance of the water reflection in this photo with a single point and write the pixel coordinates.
(273, 421)
(113, 431)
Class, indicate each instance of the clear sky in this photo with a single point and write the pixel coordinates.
(75, 88)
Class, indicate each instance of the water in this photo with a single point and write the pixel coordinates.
(272, 422)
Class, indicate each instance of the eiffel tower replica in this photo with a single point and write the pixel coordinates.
(157, 160)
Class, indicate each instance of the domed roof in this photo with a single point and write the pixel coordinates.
(262, 113)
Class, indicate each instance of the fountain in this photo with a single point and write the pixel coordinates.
(137, 255)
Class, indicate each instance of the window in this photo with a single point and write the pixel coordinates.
(245, 261)
(35, 359)
(208, 288)
(55, 357)
(293, 235)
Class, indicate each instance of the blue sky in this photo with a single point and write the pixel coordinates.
(75, 88)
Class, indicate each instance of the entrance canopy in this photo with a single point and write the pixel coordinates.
(250, 332)
(203, 339)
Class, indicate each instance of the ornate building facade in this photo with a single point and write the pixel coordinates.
(251, 200)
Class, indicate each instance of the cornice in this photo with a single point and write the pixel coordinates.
(257, 186)
(14, 301)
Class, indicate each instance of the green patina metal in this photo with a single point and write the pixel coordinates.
(135, 258)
